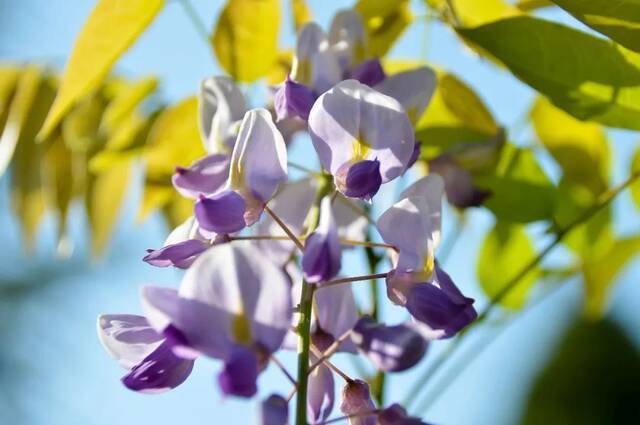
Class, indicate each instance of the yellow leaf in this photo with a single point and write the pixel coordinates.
(177, 210)
(579, 147)
(246, 38)
(8, 80)
(58, 178)
(281, 68)
(473, 13)
(301, 13)
(385, 21)
(80, 125)
(125, 100)
(111, 29)
(33, 97)
(153, 198)
(104, 199)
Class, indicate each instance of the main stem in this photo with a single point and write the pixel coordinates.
(304, 308)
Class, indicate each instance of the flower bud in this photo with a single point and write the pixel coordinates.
(293, 100)
(274, 411)
(356, 400)
(359, 180)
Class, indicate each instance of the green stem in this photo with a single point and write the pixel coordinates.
(604, 199)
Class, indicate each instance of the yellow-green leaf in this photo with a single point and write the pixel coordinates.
(301, 13)
(599, 275)
(8, 79)
(472, 13)
(506, 250)
(618, 19)
(112, 27)
(177, 210)
(531, 5)
(58, 178)
(154, 197)
(80, 126)
(385, 21)
(106, 193)
(635, 187)
(124, 101)
(246, 38)
(590, 78)
(281, 68)
(579, 147)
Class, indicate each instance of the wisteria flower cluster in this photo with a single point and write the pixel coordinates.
(263, 254)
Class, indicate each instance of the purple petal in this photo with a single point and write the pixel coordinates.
(222, 212)
(360, 180)
(389, 348)
(206, 175)
(336, 312)
(158, 372)
(180, 255)
(127, 338)
(321, 394)
(293, 100)
(397, 415)
(240, 372)
(441, 306)
(369, 72)
(321, 259)
(356, 399)
(274, 411)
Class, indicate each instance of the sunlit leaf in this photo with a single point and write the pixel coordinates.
(600, 274)
(505, 251)
(301, 13)
(478, 12)
(8, 80)
(520, 190)
(110, 30)
(635, 187)
(125, 100)
(618, 19)
(154, 197)
(281, 68)
(80, 126)
(580, 148)
(33, 97)
(104, 201)
(246, 38)
(560, 62)
(58, 178)
(531, 5)
(385, 21)
(177, 210)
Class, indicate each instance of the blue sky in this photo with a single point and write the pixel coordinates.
(59, 374)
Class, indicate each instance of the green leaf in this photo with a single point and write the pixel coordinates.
(560, 62)
(112, 27)
(385, 21)
(505, 251)
(580, 148)
(600, 274)
(472, 13)
(246, 38)
(521, 192)
(126, 98)
(531, 5)
(34, 95)
(635, 187)
(618, 19)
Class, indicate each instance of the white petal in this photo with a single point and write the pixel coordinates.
(127, 338)
(413, 89)
(351, 224)
(431, 188)
(348, 38)
(220, 104)
(336, 312)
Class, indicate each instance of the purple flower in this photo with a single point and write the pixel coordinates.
(352, 123)
(413, 89)
(397, 415)
(221, 105)
(314, 64)
(348, 39)
(360, 180)
(274, 411)
(335, 314)
(369, 72)
(152, 365)
(293, 100)
(320, 393)
(356, 399)
(389, 348)
(222, 212)
(233, 304)
(206, 175)
(321, 258)
(181, 247)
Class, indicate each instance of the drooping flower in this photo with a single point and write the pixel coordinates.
(152, 365)
(356, 400)
(363, 137)
(181, 247)
(413, 226)
(234, 305)
(258, 165)
(321, 259)
(206, 175)
(274, 411)
(389, 348)
(397, 415)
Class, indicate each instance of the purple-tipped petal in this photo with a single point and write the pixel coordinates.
(336, 312)
(240, 372)
(441, 306)
(127, 338)
(360, 180)
(293, 100)
(397, 415)
(389, 348)
(206, 175)
(321, 259)
(222, 212)
(160, 371)
(369, 72)
(321, 394)
(274, 410)
(181, 254)
(356, 399)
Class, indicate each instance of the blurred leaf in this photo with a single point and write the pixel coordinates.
(154, 197)
(600, 274)
(104, 200)
(8, 80)
(635, 188)
(34, 95)
(531, 5)
(177, 210)
(125, 100)
(246, 38)
(558, 61)
(580, 148)
(592, 379)
(520, 190)
(58, 177)
(385, 21)
(80, 126)
(455, 115)
(618, 19)
(477, 12)
(301, 13)
(281, 68)
(110, 30)
(505, 251)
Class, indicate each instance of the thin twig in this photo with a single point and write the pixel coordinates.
(352, 279)
(316, 352)
(284, 228)
(302, 238)
(284, 370)
(330, 350)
